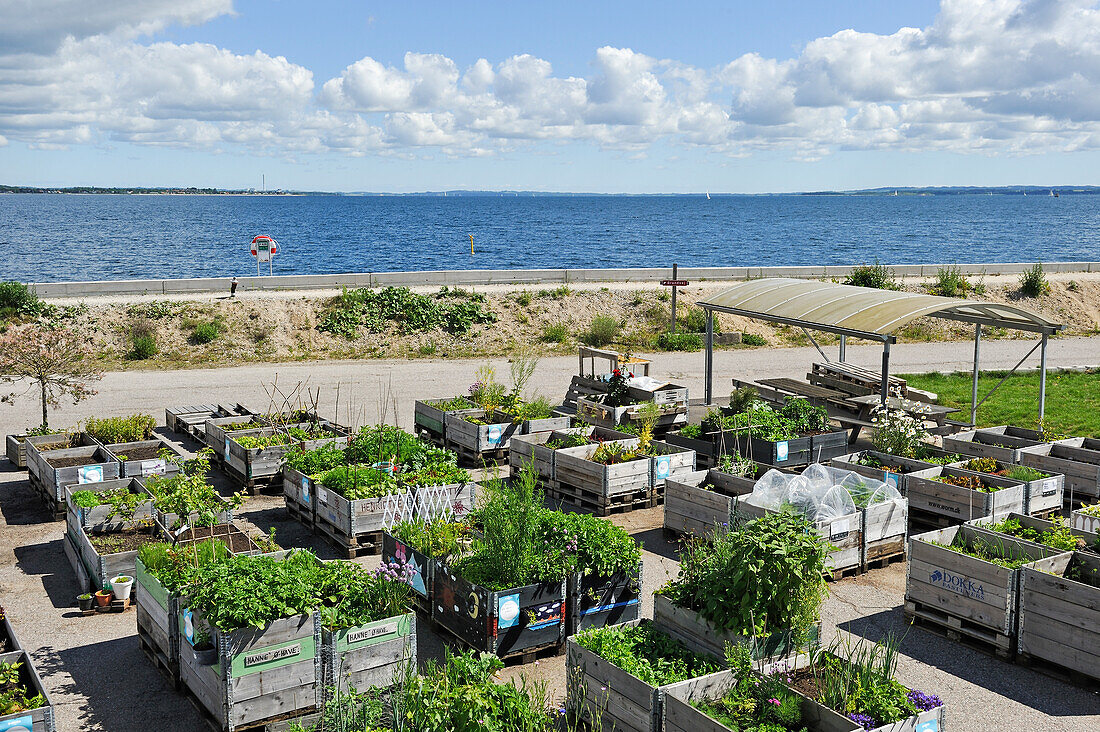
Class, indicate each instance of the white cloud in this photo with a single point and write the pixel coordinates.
(988, 76)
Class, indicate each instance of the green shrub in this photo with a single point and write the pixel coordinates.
(694, 320)
(454, 311)
(876, 275)
(950, 282)
(558, 293)
(523, 298)
(115, 430)
(206, 332)
(679, 342)
(751, 339)
(17, 298)
(1033, 282)
(603, 331)
(143, 347)
(557, 333)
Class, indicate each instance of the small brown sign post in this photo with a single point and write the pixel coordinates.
(674, 284)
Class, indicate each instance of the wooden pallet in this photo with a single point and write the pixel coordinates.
(922, 521)
(885, 561)
(296, 512)
(435, 438)
(55, 507)
(1056, 671)
(471, 458)
(960, 630)
(360, 545)
(271, 484)
(517, 658)
(601, 505)
(838, 574)
(156, 657)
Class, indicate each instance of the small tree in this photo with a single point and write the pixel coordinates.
(56, 359)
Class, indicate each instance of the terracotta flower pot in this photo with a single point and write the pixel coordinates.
(103, 598)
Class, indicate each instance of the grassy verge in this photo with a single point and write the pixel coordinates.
(1072, 408)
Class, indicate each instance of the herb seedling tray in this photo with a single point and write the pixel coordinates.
(963, 593)
(702, 636)
(31, 720)
(1003, 443)
(1077, 459)
(1060, 617)
(502, 622)
(260, 675)
(367, 655)
(142, 468)
(963, 504)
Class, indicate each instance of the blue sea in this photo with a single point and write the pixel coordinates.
(50, 238)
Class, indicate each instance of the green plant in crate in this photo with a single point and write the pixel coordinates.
(187, 494)
(13, 696)
(647, 653)
(898, 432)
(116, 430)
(1059, 535)
(763, 575)
(86, 499)
(754, 703)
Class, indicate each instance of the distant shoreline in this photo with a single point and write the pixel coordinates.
(900, 191)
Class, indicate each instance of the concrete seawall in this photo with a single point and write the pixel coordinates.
(510, 277)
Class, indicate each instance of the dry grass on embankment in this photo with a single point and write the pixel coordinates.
(283, 326)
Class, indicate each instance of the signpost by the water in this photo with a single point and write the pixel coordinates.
(674, 284)
(263, 249)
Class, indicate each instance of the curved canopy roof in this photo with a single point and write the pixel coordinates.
(862, 312)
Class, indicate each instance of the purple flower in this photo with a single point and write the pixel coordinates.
(863, 720)
(923, 701)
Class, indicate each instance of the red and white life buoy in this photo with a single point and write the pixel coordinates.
(272, 244)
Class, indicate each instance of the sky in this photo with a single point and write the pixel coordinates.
(634, 97)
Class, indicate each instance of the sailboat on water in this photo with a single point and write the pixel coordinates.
(708, 195)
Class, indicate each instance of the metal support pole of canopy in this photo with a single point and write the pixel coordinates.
(709, 382)
(885, 372)
(843, 347)
(1043, 377)
(974, 382)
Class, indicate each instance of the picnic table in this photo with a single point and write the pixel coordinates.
(853, 380)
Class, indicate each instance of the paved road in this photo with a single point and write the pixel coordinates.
(364, 383)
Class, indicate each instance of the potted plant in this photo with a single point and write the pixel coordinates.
(206, 653)
(85, 601)
(103, 597)
(121, 585)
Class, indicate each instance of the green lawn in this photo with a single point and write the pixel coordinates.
(1072, 409)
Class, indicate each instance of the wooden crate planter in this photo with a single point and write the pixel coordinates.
(423, 570)
(895, 472)
(1041, 495)
(786, 453)
(531, 449)
(507, 622)
(191, 419)
(885, 529)
(429, 421)
(157, 625)
(9, 641)
(50, 481)
(845, 533)
(367, 655)
(670, 461)
(299, 496)
(672, 404)
(97, 515)
(251, 467)
(1071, 458)
(957, 503)
(1085, 522)
(965, 595)
(32, 720)
(355, 526)
(1002, 443)
(214, 430)
(1060, 617)
(579, 481)
(1033, 522)
(702, 636)
(17, 446)
(142, 467)
(474, 441)
(700, 502)
(598, 600)
(94, 570)
(260, 675)
(681, 716)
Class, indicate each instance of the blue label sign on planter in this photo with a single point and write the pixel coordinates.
(19, 724)
(663, 466)
(188, 626)
(781, 451)
(90, 474)
(496, 432)
(508, 611)
(227, 449)
(891, 479)
(932, 725)
(305, 490)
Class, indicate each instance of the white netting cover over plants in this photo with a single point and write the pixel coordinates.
(821, 493)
